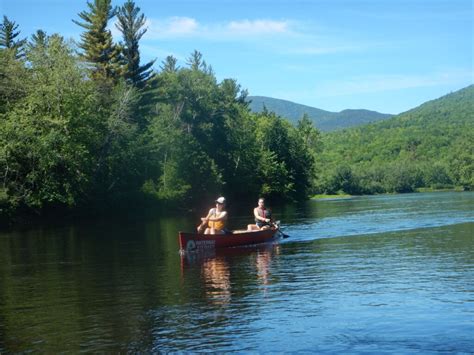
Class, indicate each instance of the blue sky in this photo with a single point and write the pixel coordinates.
(381, 55)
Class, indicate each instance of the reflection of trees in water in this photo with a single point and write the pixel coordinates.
(217, 279)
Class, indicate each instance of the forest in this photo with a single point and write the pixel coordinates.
(428, 147)
(88, 124)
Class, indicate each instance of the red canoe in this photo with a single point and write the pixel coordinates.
(195, 242)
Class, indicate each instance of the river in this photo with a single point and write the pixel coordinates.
(388, 273)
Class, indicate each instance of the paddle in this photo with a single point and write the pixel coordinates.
(200, 228)
(276, 224)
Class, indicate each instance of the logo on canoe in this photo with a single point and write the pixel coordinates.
(194, 245)
(191, 246)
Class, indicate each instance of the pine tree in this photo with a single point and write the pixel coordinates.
(97, 43)
(39, 39)
(130, 24)
(195, 61)
(169, 65)
(8, 35)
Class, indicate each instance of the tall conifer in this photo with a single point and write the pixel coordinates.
(169, 65)
(39, 39)
(8, 35)
(97, 43)
(130, 24)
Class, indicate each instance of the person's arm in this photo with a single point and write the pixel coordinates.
(221, 217)
(208, 217)
(204, 221)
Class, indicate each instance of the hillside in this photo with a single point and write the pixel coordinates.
(323, 120)
(428, 146)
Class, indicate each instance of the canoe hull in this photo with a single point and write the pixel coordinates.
(191, 242)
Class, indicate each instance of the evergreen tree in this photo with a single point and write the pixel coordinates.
(39, 39)
(8, 37)
(308, 132)
(130, 24)
(97, 43)
(196, 63)
(169, 65)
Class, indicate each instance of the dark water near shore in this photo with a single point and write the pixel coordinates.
(368, 274)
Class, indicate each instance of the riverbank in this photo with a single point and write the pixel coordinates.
(418, 190)
(138, 208)
(447, 189)
(326, 196)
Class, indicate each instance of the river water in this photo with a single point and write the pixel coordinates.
(366, 274)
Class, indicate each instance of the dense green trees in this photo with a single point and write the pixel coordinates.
(429, 146)
(233, 151)
(46, 134)
(98, 128)
(111, 131)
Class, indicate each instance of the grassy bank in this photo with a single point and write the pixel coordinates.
(324, 196)
(446, 189)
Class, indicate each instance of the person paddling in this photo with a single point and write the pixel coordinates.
(216, 219)
(262, 217)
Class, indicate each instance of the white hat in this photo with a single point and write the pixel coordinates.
(221, 200)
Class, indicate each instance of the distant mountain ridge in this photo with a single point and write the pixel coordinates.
(323, 120)
(428, 146)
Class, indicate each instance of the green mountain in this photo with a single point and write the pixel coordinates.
(323, 120)
(428, 146)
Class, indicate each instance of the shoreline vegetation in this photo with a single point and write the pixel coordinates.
(447, 189)
(331, 196)
(418, 190)
(88, 126)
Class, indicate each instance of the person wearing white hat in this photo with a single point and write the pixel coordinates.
(215, 220)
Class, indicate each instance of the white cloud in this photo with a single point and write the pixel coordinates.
(257, 27)
(172, 27)
(187, 27)
(286, 37)
(182, 25)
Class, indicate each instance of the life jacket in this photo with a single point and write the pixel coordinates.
(218, 225)
(262, 212)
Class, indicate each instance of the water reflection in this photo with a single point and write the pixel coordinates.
(218, 269)
(123, 287)
(216, 276)
(263, 267)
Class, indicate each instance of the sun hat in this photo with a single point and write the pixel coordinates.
(221, 200)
